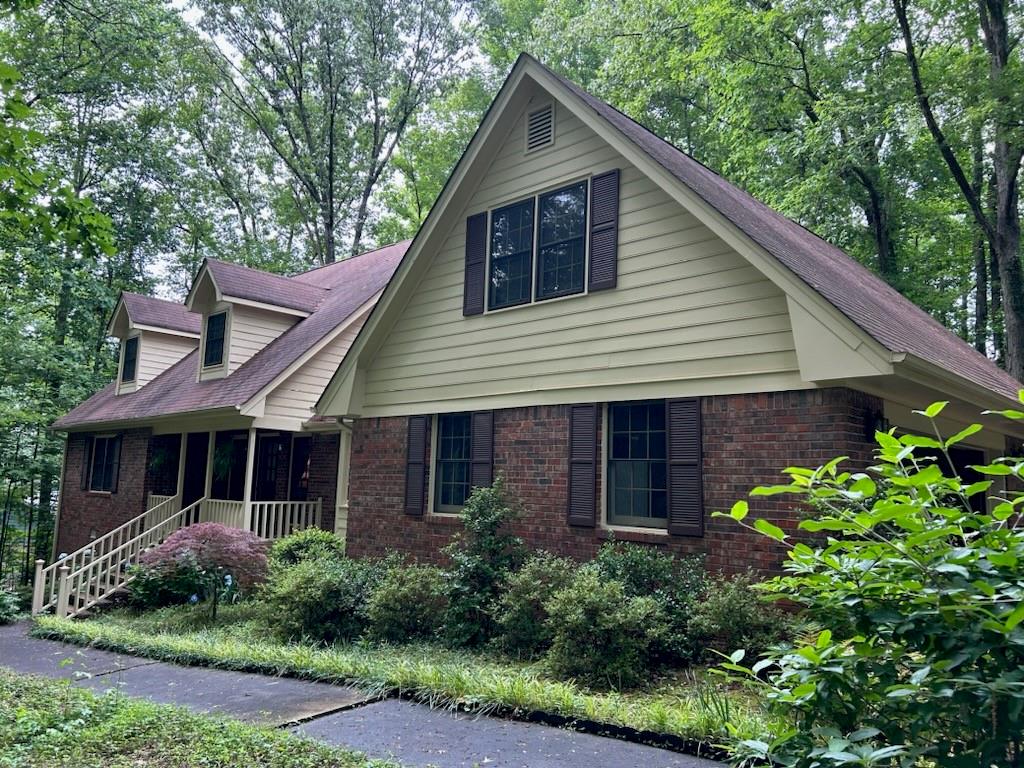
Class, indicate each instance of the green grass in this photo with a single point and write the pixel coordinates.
(694, 707)
(52, 723)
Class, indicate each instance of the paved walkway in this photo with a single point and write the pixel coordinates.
(412, 734)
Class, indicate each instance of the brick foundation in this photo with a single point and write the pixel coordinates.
(748, 440)
(84, 511)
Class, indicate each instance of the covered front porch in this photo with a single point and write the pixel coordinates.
(270, 482)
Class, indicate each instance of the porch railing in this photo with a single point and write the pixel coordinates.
(156, 499)
(267, 519)
(277, 519)
(223, 511)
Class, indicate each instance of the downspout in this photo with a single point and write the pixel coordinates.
(341, 501)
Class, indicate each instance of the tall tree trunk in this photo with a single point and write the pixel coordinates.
(981, 284)
(1002, 232)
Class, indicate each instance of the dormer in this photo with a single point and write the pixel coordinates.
(241, 311)
(154, 335)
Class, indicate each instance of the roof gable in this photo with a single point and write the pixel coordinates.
(878, 327)
(158, 314)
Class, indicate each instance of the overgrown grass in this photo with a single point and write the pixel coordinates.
(52, 723)
(695, 707)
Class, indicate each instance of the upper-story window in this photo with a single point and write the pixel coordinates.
(511, 254)
(213, 352)
(130, 359)
(552, 227)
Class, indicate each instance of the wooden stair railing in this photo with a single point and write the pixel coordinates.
(80, 580)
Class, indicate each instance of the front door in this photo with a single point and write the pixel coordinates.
(197, 445)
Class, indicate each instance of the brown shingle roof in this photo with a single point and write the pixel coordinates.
(146, 310)
(882, 312)
(265, 287)
(352, 283)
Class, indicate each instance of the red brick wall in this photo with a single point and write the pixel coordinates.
(323, 475)
(82, 511)
(748, 440)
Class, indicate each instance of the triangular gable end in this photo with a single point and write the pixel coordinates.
(864, 355)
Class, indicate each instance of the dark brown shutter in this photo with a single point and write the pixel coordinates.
(115, 461)
(583, 465)
(476, 264)
(604, 230)
(481, 464)
(86, 461)
(416, 464)
(685, 477)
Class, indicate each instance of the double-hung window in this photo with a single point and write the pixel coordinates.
(130, 360)
(538, 247)
(216, 326)
(452, 481)
(511, 255)
(637, 464)
(106, 455)
(562, 241)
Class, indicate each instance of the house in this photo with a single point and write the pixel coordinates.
(631, 341)
(624, 336)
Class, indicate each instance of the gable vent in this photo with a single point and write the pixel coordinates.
(540, 128)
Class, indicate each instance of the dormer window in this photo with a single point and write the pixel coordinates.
(130, 359)
(213, 351)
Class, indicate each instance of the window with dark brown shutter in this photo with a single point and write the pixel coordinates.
(105, 463)
(416, 464)
(583, 465)
(685, 476)
(604, 230)
(476, 265)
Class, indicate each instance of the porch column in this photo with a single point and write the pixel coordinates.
(209, 474)
(250, 460)
(341, 505)
(180, 487)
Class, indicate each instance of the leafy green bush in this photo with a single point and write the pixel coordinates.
(731, 614)
(311, 543)
(482, 554)
(320, 599)
(521, 616)
(9, 607)
(920, 597)
(409, 603)
(675, 582)
(172, 584)
(602, 635)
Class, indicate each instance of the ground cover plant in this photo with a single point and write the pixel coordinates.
(52, 723)
(692, 706)
(917, 583)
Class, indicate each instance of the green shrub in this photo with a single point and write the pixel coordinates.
(482, 555)
(675, 582)
(600, 634)
(10, 607)
(320, 599)
(920, 599)
(172, 584)
(521, 616)
(731, 614)
(311, 543)
(409, 603)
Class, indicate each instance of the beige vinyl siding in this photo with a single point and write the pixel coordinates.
(297, 395)
(687, 308)
(158, 352)
(251, 330)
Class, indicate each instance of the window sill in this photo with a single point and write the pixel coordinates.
(533, 303)
(102, 494)
(637, 535)
(445, 517)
